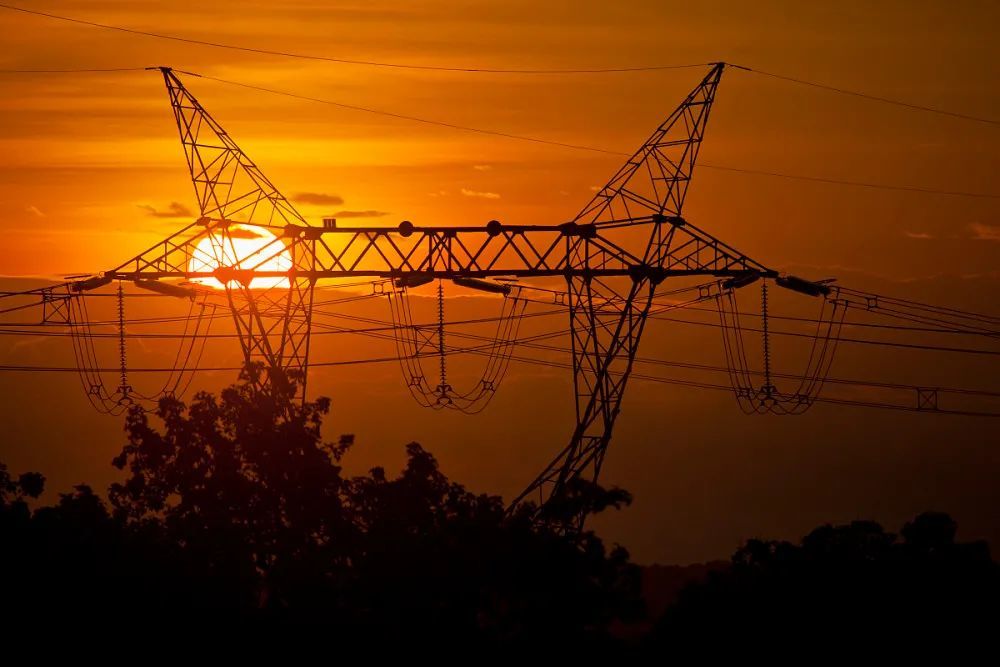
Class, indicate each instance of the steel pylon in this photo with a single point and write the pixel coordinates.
(628, 239)
(643, 204)
(237, 201)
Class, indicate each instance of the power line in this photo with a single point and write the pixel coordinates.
(583, 147)
(348, 61)
(819, 399)
(863, 325)
(656, 315)
(416, 119)
(909, 303)
(537, 362)
(692, 383)
(526, 342)
(531, 342)
(538, 140)
(73, 71)
(40, 331)
(873, 98)
(831, 400)
(38, 328)
(386, 326)
(862, 341)
(856, 184)
(494, 70)
(812, 84)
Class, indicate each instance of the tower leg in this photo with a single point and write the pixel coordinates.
(606, 325)
(274, 330)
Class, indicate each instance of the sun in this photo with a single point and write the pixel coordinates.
(241, 247)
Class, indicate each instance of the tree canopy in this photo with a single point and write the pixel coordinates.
(235, 508)
(840, 586)
(233, 511)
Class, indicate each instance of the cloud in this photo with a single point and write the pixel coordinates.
(917, 235)
(484, 195)
(242, 233)
(439, 193)
(317, 198)
(983, 232)
(482, 167)
(360, 214)
(594, 188)
(174, 210)
(33, 210)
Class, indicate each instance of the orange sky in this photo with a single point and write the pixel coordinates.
(84, 153)
(91, 173)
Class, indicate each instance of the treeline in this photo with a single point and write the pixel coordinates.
(234, 512)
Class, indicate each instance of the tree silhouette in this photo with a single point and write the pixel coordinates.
(468, 570)
(235, 511)
(856, 583)
(249, 488)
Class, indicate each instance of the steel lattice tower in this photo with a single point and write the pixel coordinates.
(624, 243)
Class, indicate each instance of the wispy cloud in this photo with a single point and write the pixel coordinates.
(174, 210)
(242, 233)
(484, 195)
(33, 210)
(482, 167)
(917, 235)
(360, 214)
(983, 232)
(317, 198)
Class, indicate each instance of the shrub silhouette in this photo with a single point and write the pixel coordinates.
(853, 585)
(234, 510)
(234, 513)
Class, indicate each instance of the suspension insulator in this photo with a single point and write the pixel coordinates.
(166, 288)
(482, 285)
(802, 286)
(123, 388)
(768, 388)
(741, 281)
(91, 283)
(443, 387)
(413, 280)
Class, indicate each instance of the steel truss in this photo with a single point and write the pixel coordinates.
(627, 240)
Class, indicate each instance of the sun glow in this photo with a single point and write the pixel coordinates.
(241, 248)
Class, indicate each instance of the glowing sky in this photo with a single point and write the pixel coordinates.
(91, 173)
(92, 170)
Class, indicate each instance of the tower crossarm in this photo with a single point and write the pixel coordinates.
(493, 250)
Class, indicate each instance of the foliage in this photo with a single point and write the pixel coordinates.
(234, 513)
(235, 510)
(852, 585)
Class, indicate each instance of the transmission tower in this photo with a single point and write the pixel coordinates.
(613, 255)
(272, 322)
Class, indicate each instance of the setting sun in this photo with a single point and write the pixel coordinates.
(241, 247)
